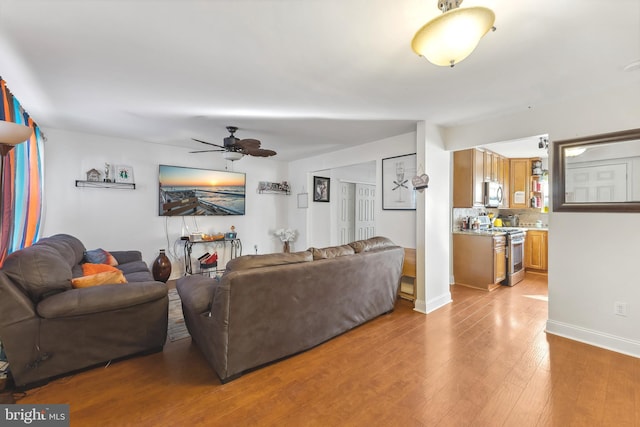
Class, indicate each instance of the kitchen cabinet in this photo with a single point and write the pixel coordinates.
(479, 260)
(491, 161)
(536, 251)
(499, 259)
(490, 166)
(519, 173)
(504, 180)
(468, 177)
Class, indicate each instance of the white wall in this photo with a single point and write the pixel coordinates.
(116, 219)
(593, 258)
(433, 221)
(314, 224)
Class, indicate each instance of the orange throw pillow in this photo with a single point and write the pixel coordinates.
(88, 268)
(104, 278)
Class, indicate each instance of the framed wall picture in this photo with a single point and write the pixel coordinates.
(321, 189)
(124, 174)
(397, 190)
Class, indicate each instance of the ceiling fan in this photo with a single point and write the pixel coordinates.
(234, 148)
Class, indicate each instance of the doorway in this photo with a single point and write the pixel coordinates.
(356, 211)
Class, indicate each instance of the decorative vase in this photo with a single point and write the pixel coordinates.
(161, 267)
(286, 249)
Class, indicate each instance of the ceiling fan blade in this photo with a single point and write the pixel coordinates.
(248, 144)
(207, 151)
(259, 152)
(208, 143)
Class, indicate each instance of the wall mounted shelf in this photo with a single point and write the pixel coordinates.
(102, 184)
(265, 187)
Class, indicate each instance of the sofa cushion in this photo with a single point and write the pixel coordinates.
(99, 256)
(139, 276)
(68, 246)
(255, 261)
(39, 270)
(97, 279)
(371, 244)
(133, 267)
(125, 257)
(331, 252)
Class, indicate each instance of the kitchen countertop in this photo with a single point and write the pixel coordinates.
(480, 232)
(490, 232)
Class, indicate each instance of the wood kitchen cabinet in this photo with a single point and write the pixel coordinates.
(519, 173)
(468, 178)
(536, 251)
(479, 260)
(504, 180)
(491, 166)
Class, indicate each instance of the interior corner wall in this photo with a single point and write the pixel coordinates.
(592, 265)
(313, 223)
(118, 219)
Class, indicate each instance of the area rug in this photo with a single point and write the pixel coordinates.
(176, 330)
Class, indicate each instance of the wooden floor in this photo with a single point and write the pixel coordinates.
(483, 360)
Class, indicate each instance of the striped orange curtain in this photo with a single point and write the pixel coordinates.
(23, 179)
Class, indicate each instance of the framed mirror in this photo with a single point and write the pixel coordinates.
(599, 173)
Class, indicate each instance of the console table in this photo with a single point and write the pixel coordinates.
(233, 245)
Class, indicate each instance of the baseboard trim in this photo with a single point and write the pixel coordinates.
(420, 306)
(595, 338)
(434, 304)
(441, 301)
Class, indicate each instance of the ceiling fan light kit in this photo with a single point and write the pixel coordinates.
(232, 155)
(452, 36)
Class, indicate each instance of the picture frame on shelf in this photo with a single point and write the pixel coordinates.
(321, 189)
(124, 174)
(397, 190)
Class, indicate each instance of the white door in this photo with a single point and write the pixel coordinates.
(597, 183)
(346, 213)
(365, 211)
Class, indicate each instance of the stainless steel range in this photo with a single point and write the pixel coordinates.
(515, 254)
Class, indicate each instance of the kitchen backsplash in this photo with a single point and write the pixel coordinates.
(528, 217)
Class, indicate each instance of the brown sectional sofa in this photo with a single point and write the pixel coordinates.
(266, 307)
(49, 329)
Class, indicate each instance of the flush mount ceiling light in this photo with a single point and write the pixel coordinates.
(452, 36)
(574, 151)
(13, 133)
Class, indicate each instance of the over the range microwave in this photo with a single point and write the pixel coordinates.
(492, 194)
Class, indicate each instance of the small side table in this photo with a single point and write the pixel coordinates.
(234, 245)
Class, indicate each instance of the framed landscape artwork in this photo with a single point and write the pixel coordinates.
(397, 190)
(321, 189)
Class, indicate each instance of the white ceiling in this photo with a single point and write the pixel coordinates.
(303, 76)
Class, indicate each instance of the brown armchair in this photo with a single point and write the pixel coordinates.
(49, 329)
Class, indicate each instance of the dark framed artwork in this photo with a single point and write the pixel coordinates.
(321, 187)
(397, 190)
